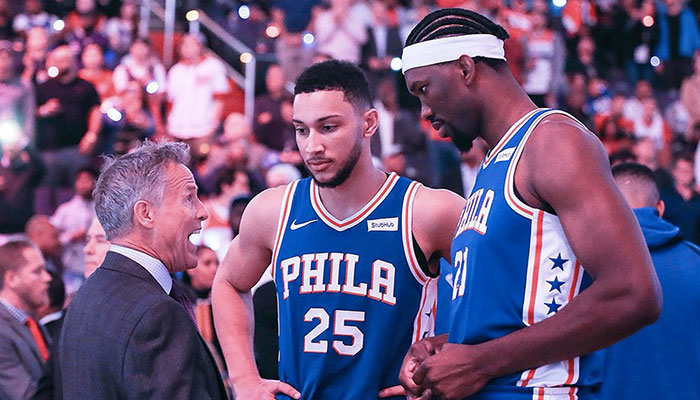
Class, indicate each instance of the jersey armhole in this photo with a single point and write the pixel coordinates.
(422, 259)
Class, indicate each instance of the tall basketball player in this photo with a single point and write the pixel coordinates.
(353, 250)
(557, 267)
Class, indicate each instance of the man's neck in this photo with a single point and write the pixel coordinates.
(501, 112)
(15, 301)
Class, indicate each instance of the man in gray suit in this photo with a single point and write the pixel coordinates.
(23, 345)
(129, 332)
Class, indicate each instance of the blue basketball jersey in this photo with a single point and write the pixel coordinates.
(513, 267)
(352, 297)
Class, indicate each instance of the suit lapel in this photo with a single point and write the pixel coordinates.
(20, 331)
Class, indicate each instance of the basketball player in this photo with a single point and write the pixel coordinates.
(353, 250)
(556, 267)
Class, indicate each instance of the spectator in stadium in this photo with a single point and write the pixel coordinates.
(651, 124)
(96, 247)
(51, 315)
(682, 200)
(6, 17)
(383, 43)
(41, 232)
(69, 120)
(94, 71)
(134, 122)
(340, 30)
(143, 67)
(195, 85)
(84, 27)
(690, 92)
(679, 38)
(634, 108)
(16, 99)
(544, 62)
(20, 172)
(294, 18)
(664, 357)
(634, 41)
(34, 60)
(271, 126)
(72, 219)
(230, 184)
(33, 16)
(281, 174)
(121, 30)
(23, 290)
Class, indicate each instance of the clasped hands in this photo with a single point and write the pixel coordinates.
(435, 369)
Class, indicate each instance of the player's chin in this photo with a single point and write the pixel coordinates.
(462, 141)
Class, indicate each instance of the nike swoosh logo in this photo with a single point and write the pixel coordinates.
(296, 226)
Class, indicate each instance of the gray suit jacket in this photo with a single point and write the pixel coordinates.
(124, 338)
(20, 361)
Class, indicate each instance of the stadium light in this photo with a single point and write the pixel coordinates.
(308, 39)
(655, 61)
(559, 3)
(272, 31)
(396, 64)
(246, 57)
(648, 21)
(58, 25)
(244, 11)
(192, 15)
(152, 87)
(52, 71)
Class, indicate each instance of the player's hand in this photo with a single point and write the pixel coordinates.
(264, 389)
(452, 373)
(397, 390)
(418, 352)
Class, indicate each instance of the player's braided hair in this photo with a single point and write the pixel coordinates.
(456, 22)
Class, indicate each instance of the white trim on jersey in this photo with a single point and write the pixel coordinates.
(407, 234)
(359, 216)
(508, 135)
(512, 198)
(554, 277)
(285, 209)
(555, 393)
(424, 323)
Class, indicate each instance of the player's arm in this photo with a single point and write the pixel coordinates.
(436, 215)
(564, 168)
(246, 260)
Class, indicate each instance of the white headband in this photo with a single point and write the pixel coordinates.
(446, 49)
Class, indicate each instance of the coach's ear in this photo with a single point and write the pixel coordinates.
(143, 214)
(467, 68)
(370, 121)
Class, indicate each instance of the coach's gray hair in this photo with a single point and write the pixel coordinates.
(139, 175)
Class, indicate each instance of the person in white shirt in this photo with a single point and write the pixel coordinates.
(195, 87)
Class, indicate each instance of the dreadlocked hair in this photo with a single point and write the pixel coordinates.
(448, 22)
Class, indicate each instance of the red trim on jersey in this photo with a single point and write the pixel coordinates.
(533, 287)
(365, 211)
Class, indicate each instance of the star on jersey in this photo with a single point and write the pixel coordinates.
(559, 262)
(555, 284)
(553, 306)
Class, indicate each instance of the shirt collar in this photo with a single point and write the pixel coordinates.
(18, 314)
(54, 316)
(154, 266)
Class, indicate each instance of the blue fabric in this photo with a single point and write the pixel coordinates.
(689, 33)
(297, 13)
(662, 360)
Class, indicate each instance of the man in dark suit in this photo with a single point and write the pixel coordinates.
(129, 332)
(23, 345)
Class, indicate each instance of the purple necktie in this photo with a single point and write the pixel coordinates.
(177, 294)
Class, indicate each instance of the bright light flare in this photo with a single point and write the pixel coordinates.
(396, 64)
(192, 15)
(246, 57)
(244, 11)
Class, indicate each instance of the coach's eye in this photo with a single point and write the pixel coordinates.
(423, 89)
(328, 128)
(299, 131)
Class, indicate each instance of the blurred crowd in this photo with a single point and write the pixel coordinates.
(78, 82)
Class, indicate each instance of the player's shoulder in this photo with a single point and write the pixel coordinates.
(436, 208)
(263, 211)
